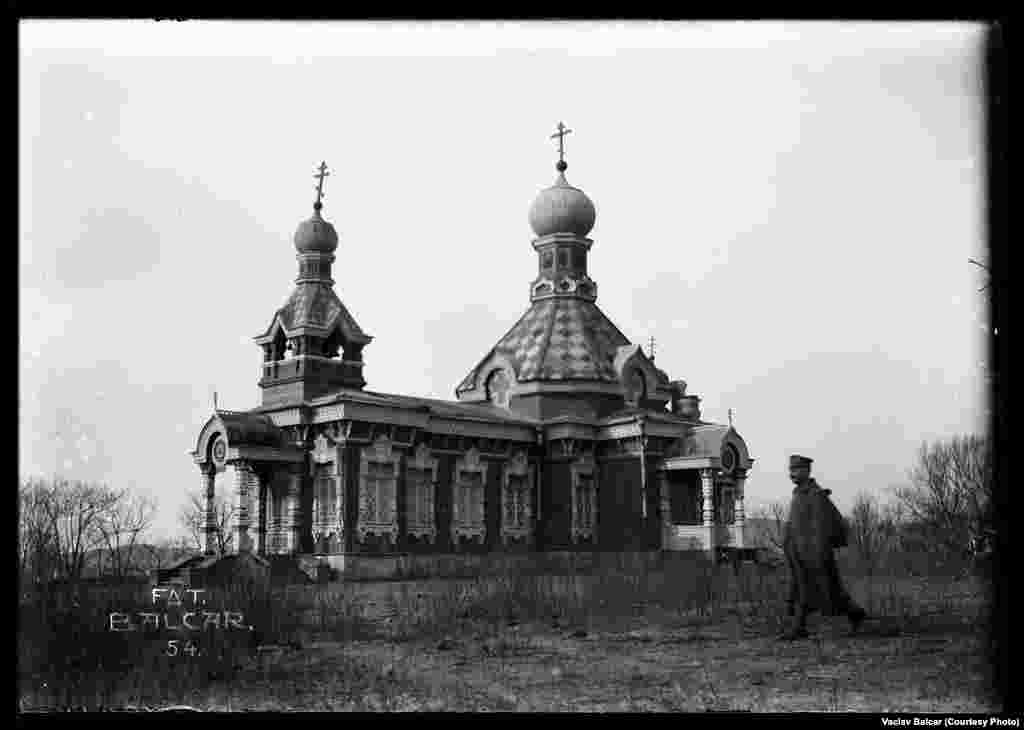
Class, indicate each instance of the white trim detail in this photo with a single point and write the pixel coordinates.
(518, 499)
(422, 461)
(473, 524)
(584, 499)
(378, 512)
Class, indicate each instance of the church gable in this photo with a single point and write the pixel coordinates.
(640, 380)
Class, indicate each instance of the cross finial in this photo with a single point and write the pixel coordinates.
(730, 417)
(562, 131)
(320, 183)
(651, 348)
(215, 400)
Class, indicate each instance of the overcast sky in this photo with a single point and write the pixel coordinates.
(788, 209)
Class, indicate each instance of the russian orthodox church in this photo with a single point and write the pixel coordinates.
(563, 436)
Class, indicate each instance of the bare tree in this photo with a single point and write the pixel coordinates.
(770, 520)
(121, 526)
(37, 548)
(950, 491)
(192, 519)
(74, 511)
(871, 531)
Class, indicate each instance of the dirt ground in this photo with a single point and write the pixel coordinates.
(925, 664)
(922, 651)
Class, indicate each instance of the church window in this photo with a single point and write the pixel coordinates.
(419, 502)
(380, 481)
(636, 386)
(468, 498)
(497, 388)
(378, 512)
(469, 501)
(547, 261)
(579, 259)
(516, 499)
(584, 500)
(563, 258)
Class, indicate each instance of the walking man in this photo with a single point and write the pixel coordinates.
(812, 531)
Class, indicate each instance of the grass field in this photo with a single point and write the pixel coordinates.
(692, 639)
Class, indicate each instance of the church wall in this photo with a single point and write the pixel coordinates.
(549, 405)
(492, 505)
(281, 394)
(443, 501)
(556, 506)
(618, 516)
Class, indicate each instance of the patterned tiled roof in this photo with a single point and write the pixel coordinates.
(559, 339)
(316, 305)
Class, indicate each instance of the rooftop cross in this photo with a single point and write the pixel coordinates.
(320, 183)
(651, 347)
(730, 417)
(562, 131)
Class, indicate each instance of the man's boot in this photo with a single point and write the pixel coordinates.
(799, 628)
(856, 615)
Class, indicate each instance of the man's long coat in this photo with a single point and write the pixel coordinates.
(814, 529)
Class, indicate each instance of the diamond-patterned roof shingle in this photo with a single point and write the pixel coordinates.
(559, 339)
(317, 305)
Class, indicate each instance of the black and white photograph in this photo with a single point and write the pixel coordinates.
(533, 366)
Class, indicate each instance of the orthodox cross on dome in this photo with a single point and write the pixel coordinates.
(562, 131)
(320, 183)
(730, 418)
(650, 347)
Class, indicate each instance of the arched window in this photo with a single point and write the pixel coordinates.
(636, 386)
(498, 384)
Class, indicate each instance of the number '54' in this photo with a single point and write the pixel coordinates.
(174, 647)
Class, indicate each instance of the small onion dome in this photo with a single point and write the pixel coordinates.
(316, 235)
(562, 209)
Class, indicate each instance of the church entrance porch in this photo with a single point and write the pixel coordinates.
(701, 506)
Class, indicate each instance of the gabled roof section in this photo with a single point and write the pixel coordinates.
(560, 338)
(240, 429)
(316, 305)
(249, 429)
(439, 408)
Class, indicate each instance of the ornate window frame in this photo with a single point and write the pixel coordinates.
(498, 386)
(277, 512)
(517, 466)
(380, 452)
(422, 461)
(584, 467)
(461, 526)
(327, 467)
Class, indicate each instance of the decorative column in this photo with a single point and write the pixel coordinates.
(209, 475)
(245, 480)
(262, 484)
(740, 516)
(707, 483)
(666, 510)
(293, 511)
